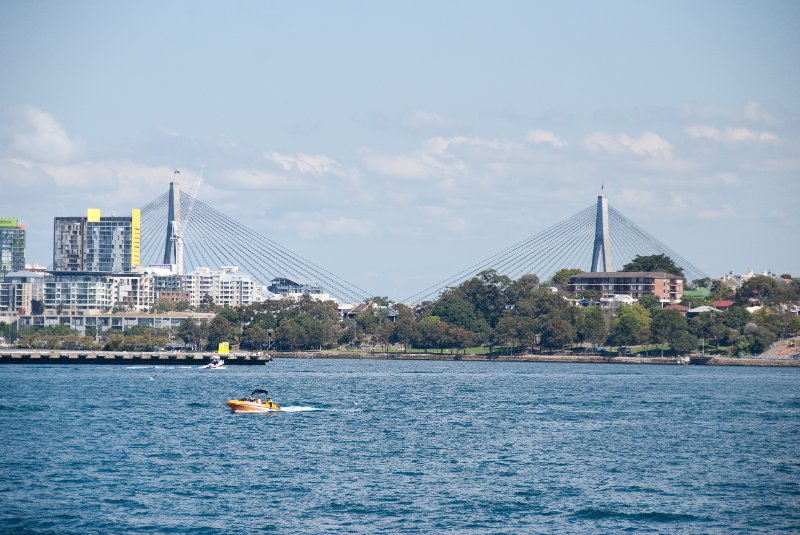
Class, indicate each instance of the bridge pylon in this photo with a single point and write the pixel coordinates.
(602, 240)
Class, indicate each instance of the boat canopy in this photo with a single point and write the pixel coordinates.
(258, 391)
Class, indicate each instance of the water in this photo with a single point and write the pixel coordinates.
(400, 447)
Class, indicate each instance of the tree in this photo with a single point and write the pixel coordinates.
(219, 330)
(206, 303)
(704, 282)
(521, 289)
(486, 292)
(427, 333)
(708, 326)
(562, 276)
(290, 334)
(458, 338)
(736, 318)
(761, 339)
(455, 310)
(651, 303)
(656, 262)
(682, 342)
(631, 325)
(191, 332)
(403, 332)
(163, 305)
(764, 290)
(593, 326)
(254, 337)
(668, 325)
(557, 333)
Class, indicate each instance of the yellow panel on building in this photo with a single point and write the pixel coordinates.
(224, 348)
(93, 215)
(136, 229)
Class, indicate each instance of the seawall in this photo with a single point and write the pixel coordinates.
(27, 356)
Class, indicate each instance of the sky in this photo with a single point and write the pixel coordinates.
(397, 143)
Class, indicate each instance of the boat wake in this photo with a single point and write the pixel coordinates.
(299, 408)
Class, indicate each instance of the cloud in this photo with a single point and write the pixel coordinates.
(432, 160)
(443, 158)
(445, 216)
(309, 164)
(635, 197)
(39, 136)
(648, 144)
(106, 175)
(256, 179)
(725, 211)
(755, 113)
(426, 119)
(729, 134)
(542, 136)
(310, 225)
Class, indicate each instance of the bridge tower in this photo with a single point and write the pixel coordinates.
(602, 242)
(173, 246)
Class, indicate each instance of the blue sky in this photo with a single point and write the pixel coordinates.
(397, 143)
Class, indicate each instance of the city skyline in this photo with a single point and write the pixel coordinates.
(396, 148)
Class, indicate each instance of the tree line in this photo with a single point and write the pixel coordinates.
(489, 313)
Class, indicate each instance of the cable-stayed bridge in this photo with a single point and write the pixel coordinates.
(200, 236)
(197, 235)
(583, 241)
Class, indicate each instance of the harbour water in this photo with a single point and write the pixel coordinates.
(400, 447)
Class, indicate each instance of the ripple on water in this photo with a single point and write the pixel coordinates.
(552, 448)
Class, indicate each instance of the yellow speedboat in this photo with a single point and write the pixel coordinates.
(257, 401)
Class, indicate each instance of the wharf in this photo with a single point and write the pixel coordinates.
(153, 358)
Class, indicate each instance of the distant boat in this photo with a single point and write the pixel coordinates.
(215, 364)
(698, 359)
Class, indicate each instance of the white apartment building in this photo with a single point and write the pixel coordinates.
(226, 286)
(18, 291)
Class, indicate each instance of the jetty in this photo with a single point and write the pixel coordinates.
(165, 358)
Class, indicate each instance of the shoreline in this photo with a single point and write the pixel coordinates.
(26, 356)
(536, 357)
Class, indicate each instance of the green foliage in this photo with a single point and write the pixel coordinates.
(163, 305)
(220, 329)
(708, 326)
(486, 292)
(557, 333)
(562, 276)
(631, 325)
(735, 318)
(456, 310)
(764, 290)
(522, 289)
(657, 262)
(192, 332)
(651, 303)
(666, 325)
(593, 326)
(683, 342)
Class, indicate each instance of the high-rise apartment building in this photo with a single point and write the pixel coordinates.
(12, 245)
(95, 244)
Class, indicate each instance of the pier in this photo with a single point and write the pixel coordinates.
(165, 358)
